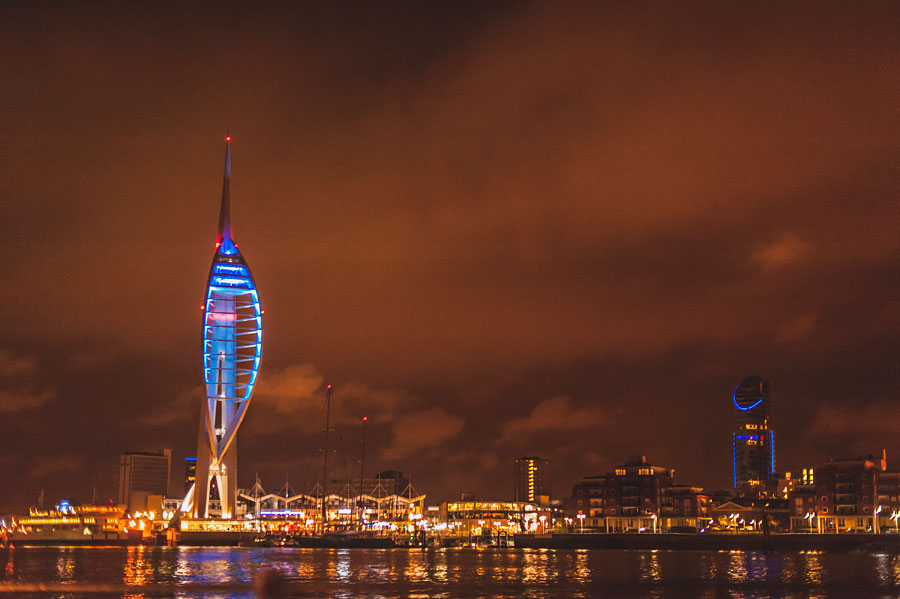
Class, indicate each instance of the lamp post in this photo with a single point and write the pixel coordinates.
(895, 516)
(653, 517)
(581, 522)
(875, 519)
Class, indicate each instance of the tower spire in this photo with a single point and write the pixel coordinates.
(225, 213)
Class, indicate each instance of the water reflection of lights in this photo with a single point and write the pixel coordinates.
(895, 569)
(582, 567)
(342, 571)
(708, 568)
(306, 567)
(534, 565)
(757, 565)
(65, 565)
(789, 570)
(811, 563)
(649, 567)
(417, 569)
(137, 570)
(737, 569)
(440, 566)
(330, 565)
(882, 568)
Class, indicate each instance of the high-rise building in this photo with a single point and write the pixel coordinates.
(532, 480)
(190, 473)
(232, 348)
(142, 474)
(753, 442)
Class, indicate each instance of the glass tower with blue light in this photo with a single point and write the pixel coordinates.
(753, 442)
(232, 348)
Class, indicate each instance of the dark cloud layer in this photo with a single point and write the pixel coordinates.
(498, 230)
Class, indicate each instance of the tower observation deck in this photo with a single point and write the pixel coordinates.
(232, 348)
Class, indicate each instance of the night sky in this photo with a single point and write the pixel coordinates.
(499, 229)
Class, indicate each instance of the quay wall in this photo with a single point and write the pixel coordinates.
(714, 542)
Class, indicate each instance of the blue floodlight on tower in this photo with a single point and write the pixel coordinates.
(232, 347)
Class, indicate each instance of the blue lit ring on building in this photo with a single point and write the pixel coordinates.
(739, 406)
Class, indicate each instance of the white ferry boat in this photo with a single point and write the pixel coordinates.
(68, 525)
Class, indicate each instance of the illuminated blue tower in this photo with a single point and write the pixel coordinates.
(232, 347)
(753, 442)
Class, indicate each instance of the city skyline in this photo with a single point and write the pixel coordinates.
(497, 231)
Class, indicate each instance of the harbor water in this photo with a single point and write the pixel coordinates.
(235, 572)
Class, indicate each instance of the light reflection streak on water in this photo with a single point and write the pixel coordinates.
(882, 568)
(708, 568)
(649, 567)
(789, 571)
(330, 565)
(440, 568)
(137, 571)
(757, 566)
(533, 563)
(504, 566)
(812, 568)
(65, 565)
(417, 568)
(342, 572)
(737, 570)
(582, 566)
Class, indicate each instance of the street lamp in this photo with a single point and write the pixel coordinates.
(895, 516)
(581, 521)
(653, 517)
(875, 519)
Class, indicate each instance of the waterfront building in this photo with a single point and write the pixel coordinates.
(490, 519)
(532, 480)
(783, 484)
(232, 348)
(753, 442)
(801, 497)
(683, 508)
(847, 494)
(750, 514)
(298, 512)
(141, 475)
(636, 496)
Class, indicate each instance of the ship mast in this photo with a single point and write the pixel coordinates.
(325, 455)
